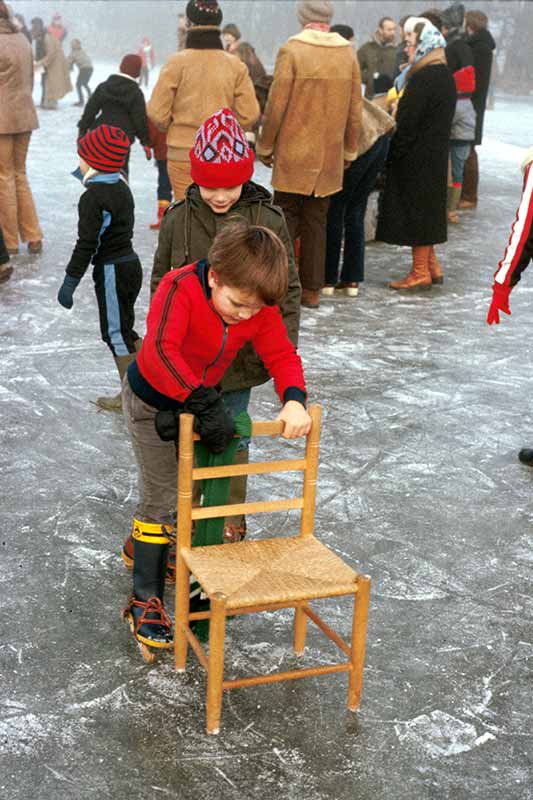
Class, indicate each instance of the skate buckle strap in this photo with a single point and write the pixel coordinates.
(152, 606)
(149, 532)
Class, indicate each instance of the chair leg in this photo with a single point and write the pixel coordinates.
(300, 630)
(360, 620)
(182, 613)
(215, 671)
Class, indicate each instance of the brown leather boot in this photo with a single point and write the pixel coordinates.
(435, 269)
(419, 277)
(310, 298)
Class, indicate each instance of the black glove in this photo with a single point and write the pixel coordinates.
(213, 422)
(167, 425)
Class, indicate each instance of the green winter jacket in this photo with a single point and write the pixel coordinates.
(376, 58)
(186, 235)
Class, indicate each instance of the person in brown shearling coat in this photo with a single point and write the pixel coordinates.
(310, 132)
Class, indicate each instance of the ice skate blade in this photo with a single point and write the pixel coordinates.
(149, 649)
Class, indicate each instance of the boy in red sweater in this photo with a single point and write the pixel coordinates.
(199, 319)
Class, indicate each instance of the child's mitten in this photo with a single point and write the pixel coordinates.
(500, 302)
(66, 291)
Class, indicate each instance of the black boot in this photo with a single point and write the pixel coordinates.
(152, 626)
(526, 456)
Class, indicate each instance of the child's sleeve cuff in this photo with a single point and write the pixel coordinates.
(294, 393)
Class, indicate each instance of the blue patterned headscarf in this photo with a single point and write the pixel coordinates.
(430, 39)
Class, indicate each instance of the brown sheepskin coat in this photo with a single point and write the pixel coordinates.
(192, 86)
(17, 112)
(313, 114)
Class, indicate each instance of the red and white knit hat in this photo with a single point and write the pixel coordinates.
(221, 156)
(105, 148)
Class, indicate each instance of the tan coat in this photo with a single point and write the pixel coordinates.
(192, 86)
(17, 112)
(57, 71)
(313, 114)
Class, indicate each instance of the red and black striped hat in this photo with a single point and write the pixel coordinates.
(105, 148)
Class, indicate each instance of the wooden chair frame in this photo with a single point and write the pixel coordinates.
(213, 663)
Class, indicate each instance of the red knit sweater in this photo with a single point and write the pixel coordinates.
(187, 343)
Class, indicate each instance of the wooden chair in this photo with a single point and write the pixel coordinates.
(265, 575)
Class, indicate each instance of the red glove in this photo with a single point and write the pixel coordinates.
(148, 153)
(500, 302)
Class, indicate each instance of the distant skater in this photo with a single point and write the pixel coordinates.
(79, 57)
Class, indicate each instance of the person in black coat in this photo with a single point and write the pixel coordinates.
(119, 102)
(413, 211)
(482, 45)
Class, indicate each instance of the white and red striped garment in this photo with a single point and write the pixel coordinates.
(519, 250)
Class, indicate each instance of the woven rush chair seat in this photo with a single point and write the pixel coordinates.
(270, 571)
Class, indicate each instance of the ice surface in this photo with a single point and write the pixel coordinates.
(425, 409)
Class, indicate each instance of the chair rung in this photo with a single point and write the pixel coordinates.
(276, 677)
(247, 508)
(260, 468)
(197, 647)
(330, 633)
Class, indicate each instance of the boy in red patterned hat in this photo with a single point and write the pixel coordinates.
(105, 232)
(222, 165)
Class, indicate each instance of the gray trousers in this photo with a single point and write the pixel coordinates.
(157, 460)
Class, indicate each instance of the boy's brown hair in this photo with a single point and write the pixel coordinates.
(476, 20)
(253, 259)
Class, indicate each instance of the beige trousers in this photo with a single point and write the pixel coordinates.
(179, 173)
(18, 216)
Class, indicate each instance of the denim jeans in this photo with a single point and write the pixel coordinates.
(459, 152)
(346, 216)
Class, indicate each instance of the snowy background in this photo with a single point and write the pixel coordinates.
(425, 410)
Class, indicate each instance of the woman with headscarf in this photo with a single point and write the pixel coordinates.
(413, 211)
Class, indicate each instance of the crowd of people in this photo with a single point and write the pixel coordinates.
(233, 264)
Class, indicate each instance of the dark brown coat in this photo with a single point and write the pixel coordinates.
(413, 211)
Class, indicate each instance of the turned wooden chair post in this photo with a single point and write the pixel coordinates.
(215, 671)
(307, 520)
(359, 624)
(183, 538)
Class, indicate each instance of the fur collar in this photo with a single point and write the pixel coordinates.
(6, 26)
(436, 56)
(320, 38)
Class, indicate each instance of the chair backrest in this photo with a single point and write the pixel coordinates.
(187, 474)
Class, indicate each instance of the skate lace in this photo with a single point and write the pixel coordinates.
(152, 606)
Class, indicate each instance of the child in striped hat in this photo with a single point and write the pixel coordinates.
(105, 233)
